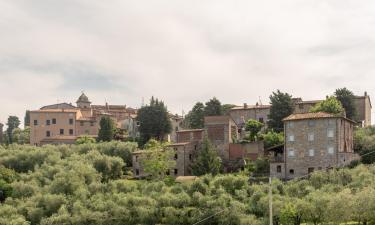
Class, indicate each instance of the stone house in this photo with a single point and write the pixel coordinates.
(63, 123)
(362, 104)
(241, 114)
(364, 107)
(313, 141)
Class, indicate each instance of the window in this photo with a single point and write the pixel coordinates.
(190, 157)
(291, 171)
(71, 121)
(61, 131)
(92, 123)
(81, 123)
(48, 134)
(87, 132)
(291, 138)
(290, 124)
(278, 169)
(195, 147)
(35, 122)
(310, 137)
(330, 133)
(175, 156)
(137, 172)
(310, 170)
(175, 171)
(48, 122)
(300, 106)
(291, 153)
(311, 123)
(311, 152)
(331, 122)
(176, 128)
(330, 150)
(167, 173)
(70, 131)
(54, 121)
(136, 158)
(261, 120)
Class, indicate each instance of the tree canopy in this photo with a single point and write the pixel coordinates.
(207, 161)
(153, 121)
(13, 123)
(281, 107)
(107, 129)
(330, 105)
(346, 98)
(213, 108)
(253, 127)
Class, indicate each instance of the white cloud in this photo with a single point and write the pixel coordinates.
(181, 51)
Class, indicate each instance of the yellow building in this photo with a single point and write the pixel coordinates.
(64, 123)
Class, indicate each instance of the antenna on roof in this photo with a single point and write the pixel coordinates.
(260, 101)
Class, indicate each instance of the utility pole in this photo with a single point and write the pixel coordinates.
(270, 200)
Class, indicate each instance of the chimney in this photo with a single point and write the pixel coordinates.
(257, 104)
(245, 105)
(365, 93)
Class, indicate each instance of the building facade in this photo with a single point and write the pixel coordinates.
(64, 123)
(313, 141)
(241, 114)
(364, 107)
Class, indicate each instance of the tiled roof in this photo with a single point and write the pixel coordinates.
(251, 107)
(55, 110)
(318, 115)
(309, 102)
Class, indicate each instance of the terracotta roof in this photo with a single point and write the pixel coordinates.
(318, 115)
(309, 102)
(251, 107)
(189, 130)
(55, 110)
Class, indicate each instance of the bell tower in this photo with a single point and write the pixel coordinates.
(83, 102)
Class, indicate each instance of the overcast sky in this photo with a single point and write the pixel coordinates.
(121, 51)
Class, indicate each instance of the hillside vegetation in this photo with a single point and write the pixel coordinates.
(88, 185)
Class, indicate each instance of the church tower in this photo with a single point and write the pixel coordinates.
(83, 102)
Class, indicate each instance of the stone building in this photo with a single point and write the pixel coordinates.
(241, 114)
(313, 141)
(364, 107)
(362, 104)
(221, 131)
(185, 151)
(63, 123)
(176, 122)
(1, 133)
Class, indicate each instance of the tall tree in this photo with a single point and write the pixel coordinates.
(226, 108)
(208, 161)
(346, 97)
(213, 108)
(253, 127)
(195, 117)
(154, 121)
(26, 122)
(13, 123)
(281, 107)
(107, 129)
(330, 105)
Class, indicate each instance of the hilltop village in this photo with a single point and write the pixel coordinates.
(312, 140)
